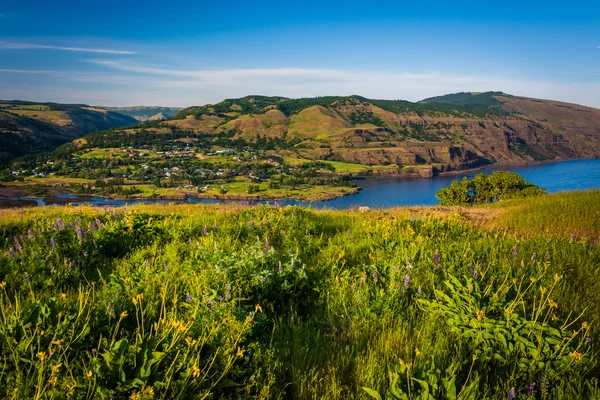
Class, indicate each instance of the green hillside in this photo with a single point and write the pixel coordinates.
(27, 128)
(171, 301)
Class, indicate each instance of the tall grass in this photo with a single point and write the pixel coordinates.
(272, 303)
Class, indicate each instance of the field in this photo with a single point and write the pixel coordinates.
(198, 301)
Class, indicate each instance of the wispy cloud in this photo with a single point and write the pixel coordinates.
(189, 87)
(26, 71)
(32, 46)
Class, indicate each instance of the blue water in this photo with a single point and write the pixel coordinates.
(555, 177)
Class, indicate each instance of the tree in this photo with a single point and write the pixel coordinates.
(482, 189)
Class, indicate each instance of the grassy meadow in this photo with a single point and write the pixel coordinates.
(232, 302)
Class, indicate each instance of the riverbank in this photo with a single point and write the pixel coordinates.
(375, 193)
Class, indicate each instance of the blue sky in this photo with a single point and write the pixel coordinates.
(189, 53)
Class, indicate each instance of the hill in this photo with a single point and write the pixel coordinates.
(27, 128)
(452, 132)
(237, 302)
(144, 113)
(260, 147)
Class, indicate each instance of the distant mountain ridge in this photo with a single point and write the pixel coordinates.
(451, 132)
(457, 131)
(29, 127)
(146, 113)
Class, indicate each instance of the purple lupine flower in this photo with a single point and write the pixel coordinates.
(215, 227)
(515, 252)
(373, 273)
(22, 238)
(18, 247)
(267, 247)
(436, 258)
(419, 290)
(71, 224)
(188, 298)
(349, 233)
(78, 231)
(588, 339)
(522, 263)
(532, 389)
(111, 309)
(471, 269)
(220, 298)
(165, 266)
(53, 242)
(210, 302)
(280, 267)
(476, 275)
(573, 237)
(406, 281)
(27, 277)
(29, 234)
(92, 227)
(116, 215)
(98, 223)
(12, 253)
(250, 224)
(260, 224)
(16, 239)
(205, 230)
(512, 394)
(60, 223)
(40, 231)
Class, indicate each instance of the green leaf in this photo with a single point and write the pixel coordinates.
(373, 393)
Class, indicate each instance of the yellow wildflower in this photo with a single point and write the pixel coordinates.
(59, 342)
(417, 352)
(240, 352)
(585, 325)
(63, 296)
(135, 396)
(575, 355)
(124, 314)
(56, 368)
(42, 356)
(53, 381)
(258, 308)
(552, 303)
(190, 341)
(557, 277)
(409, 365)
(195, 371)
(2, 285)
(148, 393)
(480, 314)
(88, 375)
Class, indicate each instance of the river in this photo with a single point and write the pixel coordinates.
(385, 193)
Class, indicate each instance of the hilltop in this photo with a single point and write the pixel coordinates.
(146, 113)
(452, 132)
(238, 302)
(27, 127)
